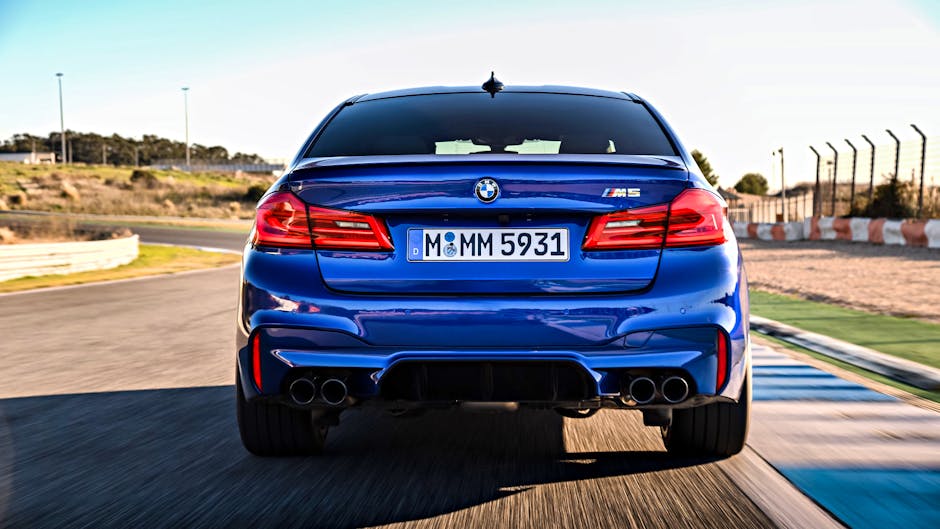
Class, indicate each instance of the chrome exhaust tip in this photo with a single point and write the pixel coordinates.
(642, 390)
(333, 391)
(302, 391)
(675, 389)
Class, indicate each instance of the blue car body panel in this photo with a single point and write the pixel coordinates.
(606, 312)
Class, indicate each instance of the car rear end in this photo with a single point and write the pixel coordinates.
(533, 248)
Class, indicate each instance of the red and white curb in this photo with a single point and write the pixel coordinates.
(919, 233)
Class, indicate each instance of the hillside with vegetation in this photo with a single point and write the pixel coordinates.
(122, 190)
(86, 147)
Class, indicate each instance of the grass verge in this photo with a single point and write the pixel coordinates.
(152, 260)
(914, 340)
(929, 395)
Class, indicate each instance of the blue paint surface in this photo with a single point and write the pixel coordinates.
(875, 498)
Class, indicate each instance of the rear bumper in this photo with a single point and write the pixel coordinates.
(687, 352)
(669, 328)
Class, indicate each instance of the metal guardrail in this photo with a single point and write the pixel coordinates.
(22, 260)
(223, 167)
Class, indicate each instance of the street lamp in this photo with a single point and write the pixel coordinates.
(61, 116)
(783, 187)
(186, 118)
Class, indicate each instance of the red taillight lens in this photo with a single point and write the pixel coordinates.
(335, 229)
(724, 354)
(285, 221)
(694, 218)
(281, 221)
(256, 361)
(634, 229)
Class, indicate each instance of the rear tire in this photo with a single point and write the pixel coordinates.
(718, 429)
(270, 429)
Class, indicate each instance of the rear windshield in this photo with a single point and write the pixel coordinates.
(512, 123)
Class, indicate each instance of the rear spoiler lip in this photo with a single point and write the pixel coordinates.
(672, 163)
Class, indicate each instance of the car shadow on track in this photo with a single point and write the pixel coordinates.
(172, 457)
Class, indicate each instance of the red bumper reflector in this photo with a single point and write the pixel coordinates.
(256, 361)
(724, 355)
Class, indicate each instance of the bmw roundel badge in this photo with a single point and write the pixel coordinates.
(487, 190)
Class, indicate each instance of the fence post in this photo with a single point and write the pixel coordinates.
(835, 176)
(816, 193)
(871, 177)
(897, 153)
(923, 156)
(852, 192)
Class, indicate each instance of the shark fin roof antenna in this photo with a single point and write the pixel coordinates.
(492, 85)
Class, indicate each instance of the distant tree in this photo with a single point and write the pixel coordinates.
(240, 157)
(894, 199)
(705, 167)
(86, 147)
(752, 183)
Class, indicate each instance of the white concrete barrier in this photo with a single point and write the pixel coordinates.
(807, 227)
(826, 231)
(21, 260)
(859, 229)
(932, 229)
(793, 231)
(892, 232)
(740, 230)
(764, 232)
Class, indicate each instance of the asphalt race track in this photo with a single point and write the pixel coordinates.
(118, 411)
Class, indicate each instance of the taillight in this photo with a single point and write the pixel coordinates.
(285, 221)
(281, 222)
(694, 218)
(336, 229)
(256, 360)
(723, 353)
(634, 229)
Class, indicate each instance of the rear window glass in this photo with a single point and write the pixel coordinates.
(511, 123)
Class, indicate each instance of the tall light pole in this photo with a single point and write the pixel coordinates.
(817, 202)
(783, 186)
(61, 116)
(186, 118)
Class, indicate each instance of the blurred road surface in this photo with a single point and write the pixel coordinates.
(116, 409)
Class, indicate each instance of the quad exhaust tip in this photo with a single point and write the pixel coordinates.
(333, 391)
(675, 389)
(642, 390)
(302, 391)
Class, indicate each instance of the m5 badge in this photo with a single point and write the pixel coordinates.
(621, 192)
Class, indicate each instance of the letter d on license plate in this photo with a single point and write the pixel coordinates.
(493, 244)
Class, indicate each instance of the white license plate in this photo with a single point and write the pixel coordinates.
(493, 244)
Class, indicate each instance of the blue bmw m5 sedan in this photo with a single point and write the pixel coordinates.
(494, 247)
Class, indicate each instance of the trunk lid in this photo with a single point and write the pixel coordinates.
(553, 198)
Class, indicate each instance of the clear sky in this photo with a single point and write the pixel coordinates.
(737, 79)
